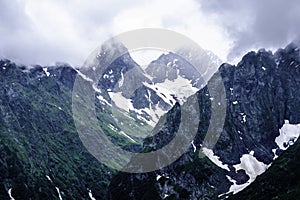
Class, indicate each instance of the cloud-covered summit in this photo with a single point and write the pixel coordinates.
(43, 32)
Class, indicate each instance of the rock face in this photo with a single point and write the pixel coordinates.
(262, 94)
(42, 156)
(148, 93)
(41, 153)
(170, 67)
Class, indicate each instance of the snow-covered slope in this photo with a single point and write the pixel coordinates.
(149, 93)
(289, 133)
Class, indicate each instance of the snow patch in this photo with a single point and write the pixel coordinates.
(57, 189)
(9, 193)
(158, 177)
(215, 159)
(124, 134)
(120, 101)
(125, 104)
(251, 153)
(45, 69)
(84, 76)
(235, 188)
(231, 91)
(194, 147)
(289, 133)
(102, 100)
(243, 117)
(162, 91)
(121, 80)
(91, 195)
(96, 89)
(48, 178)
(59, 195)
(235, 102)
(275, 156)
(180, 87)
(252, 167)
(112, 127)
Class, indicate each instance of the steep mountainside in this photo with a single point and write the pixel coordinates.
(262, 112)
(150, 93)
(41, 153)
(42, 156)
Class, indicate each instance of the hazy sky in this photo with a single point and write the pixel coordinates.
(46, 31)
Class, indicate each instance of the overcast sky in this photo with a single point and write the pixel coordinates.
(46, 31)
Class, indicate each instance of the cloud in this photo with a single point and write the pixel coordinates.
(43, 32)
(256, 24)
(184, 17)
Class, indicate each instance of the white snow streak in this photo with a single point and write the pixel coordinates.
(102, 100)
(57, 189)
(158, 177)
(215, 159)
(59, 195)
(194, 147)
(9, 193)
(235, 102)
(91, 195)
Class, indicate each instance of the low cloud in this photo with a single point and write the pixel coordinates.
(256, 24)
(43, 32)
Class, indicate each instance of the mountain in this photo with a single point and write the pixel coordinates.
(150, 93)
(262, 120)
(43, 155)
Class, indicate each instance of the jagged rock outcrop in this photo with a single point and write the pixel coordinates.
(42, 155)
(261, 93)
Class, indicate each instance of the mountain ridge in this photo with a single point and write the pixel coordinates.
(39, 139)
(260, 96)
